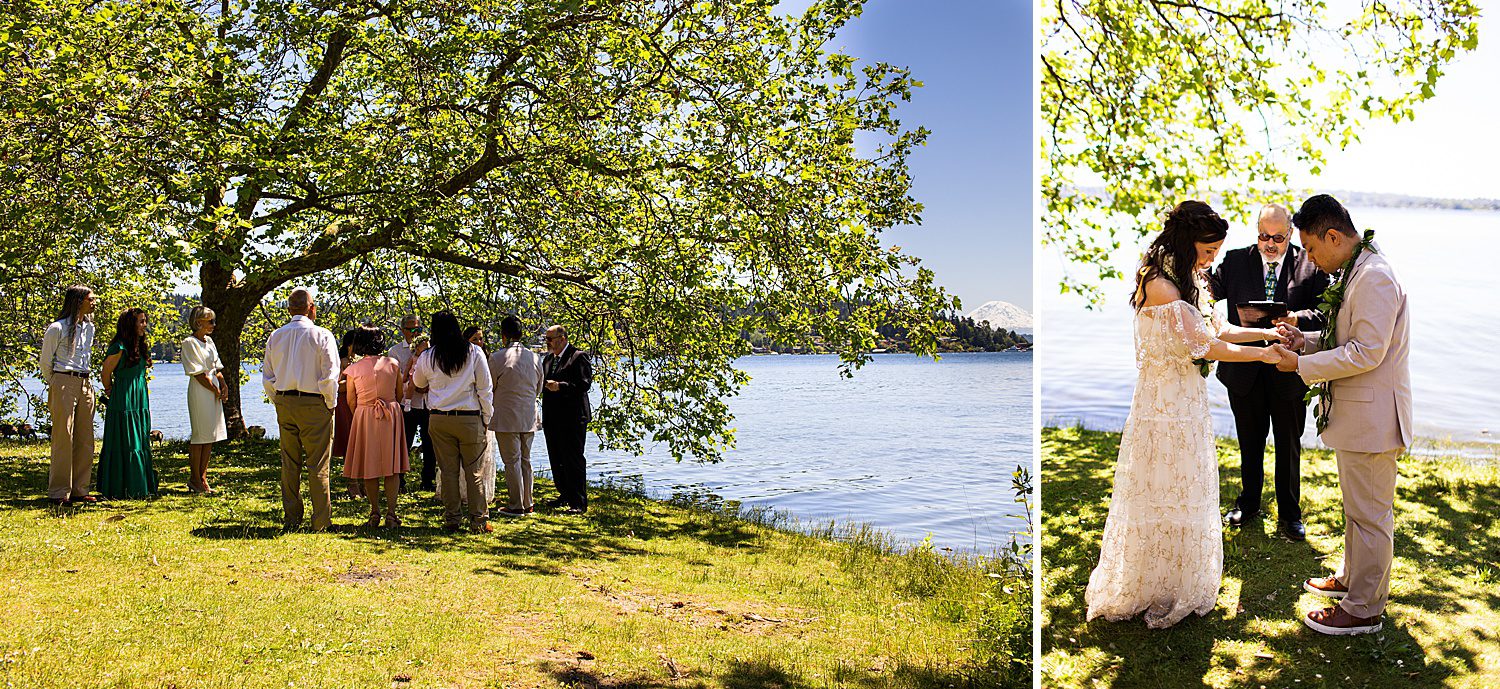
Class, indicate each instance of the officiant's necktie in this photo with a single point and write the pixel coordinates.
(1271, 281)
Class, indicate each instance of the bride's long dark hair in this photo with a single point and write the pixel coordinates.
(1174, 252)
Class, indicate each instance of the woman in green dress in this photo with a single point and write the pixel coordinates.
(125, 469)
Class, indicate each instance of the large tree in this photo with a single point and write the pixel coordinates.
(1163, 100)
(661, 176)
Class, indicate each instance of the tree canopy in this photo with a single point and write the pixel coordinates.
(659, 176)
(1164, 100)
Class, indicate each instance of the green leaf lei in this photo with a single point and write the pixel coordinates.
(1333, 298)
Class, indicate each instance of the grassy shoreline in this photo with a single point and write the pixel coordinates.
(1442, 627)
(189, 591)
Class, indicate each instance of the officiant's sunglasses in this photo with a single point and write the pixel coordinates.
(1278, 238)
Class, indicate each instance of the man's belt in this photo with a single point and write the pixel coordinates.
(299, 393)
(75, 374)
(456, 412)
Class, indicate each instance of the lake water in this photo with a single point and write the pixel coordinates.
(1087, 363)
(910, 446)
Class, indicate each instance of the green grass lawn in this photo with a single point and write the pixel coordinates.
(1442, 626)
(191, 591)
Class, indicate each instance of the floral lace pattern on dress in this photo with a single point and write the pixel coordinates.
(1163, 545)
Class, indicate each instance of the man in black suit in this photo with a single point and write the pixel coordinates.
(1261, 397)
(566, 413)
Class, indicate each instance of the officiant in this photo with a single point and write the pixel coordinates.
(1264, 400)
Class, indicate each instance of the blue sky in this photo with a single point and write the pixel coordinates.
(974, 175)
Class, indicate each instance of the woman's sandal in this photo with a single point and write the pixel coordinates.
(391, 520)
(374, 519)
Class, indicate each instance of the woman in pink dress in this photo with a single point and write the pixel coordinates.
(377, 435)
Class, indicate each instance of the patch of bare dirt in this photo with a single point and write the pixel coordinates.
(357, 575)
(690, 612)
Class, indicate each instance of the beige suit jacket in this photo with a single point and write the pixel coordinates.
(1368, 366)
(517, 372)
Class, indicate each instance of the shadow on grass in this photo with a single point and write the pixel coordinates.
(1255, 635)
(621, 523)
(765, 674)
(247, 474)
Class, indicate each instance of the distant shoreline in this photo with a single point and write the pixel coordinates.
(1385, 200)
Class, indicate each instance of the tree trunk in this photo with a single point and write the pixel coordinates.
(227, 334)
(232, 305)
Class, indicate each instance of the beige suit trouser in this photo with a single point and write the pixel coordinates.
(515, 452)
(459, 442)
(70, 402)
(1368, 483)
(306, 442)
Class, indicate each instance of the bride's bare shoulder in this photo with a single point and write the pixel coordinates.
(1159, 291)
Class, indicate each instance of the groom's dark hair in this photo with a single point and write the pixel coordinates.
(1322, 213)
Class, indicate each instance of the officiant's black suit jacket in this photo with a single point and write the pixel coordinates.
(1240, 278)
(570, 404)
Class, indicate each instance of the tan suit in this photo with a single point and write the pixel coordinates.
(517, 372)
(1369, 425)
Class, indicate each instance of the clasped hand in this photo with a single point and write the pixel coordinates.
(1291, 336)
(1283, 353)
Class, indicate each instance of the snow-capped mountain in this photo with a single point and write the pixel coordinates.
(1002, 314)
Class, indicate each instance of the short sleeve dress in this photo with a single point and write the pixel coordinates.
(205, 411)
(377, 430)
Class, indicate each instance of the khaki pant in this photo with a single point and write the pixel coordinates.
(515, 453)
(1368, 482)
(70, 401)
(459, 443)
(306, 442)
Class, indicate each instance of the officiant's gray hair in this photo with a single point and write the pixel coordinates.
(1277, 212)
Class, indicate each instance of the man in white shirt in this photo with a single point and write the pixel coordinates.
(301, 378)
(67, 347)
(517, 372)
(460, 401)
(415, 410)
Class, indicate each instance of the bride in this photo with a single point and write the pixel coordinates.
(1163, 552)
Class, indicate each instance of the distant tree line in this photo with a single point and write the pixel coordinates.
(979, 336)
(963, 334)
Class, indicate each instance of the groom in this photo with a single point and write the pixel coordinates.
(1368, 406)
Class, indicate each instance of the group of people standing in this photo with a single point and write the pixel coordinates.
(1343, 327)
(125, 466)
(353, 398)
(462, 400)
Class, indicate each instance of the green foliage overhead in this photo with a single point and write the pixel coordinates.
(1161, 101)
(658, 176)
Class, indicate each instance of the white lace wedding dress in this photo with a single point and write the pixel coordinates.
(1163, 548)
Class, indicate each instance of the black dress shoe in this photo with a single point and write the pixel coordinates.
(1294, 530)
(1236, 516)
(555, 503)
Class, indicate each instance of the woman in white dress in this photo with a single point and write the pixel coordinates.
(1163, 549)
(206, 394)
